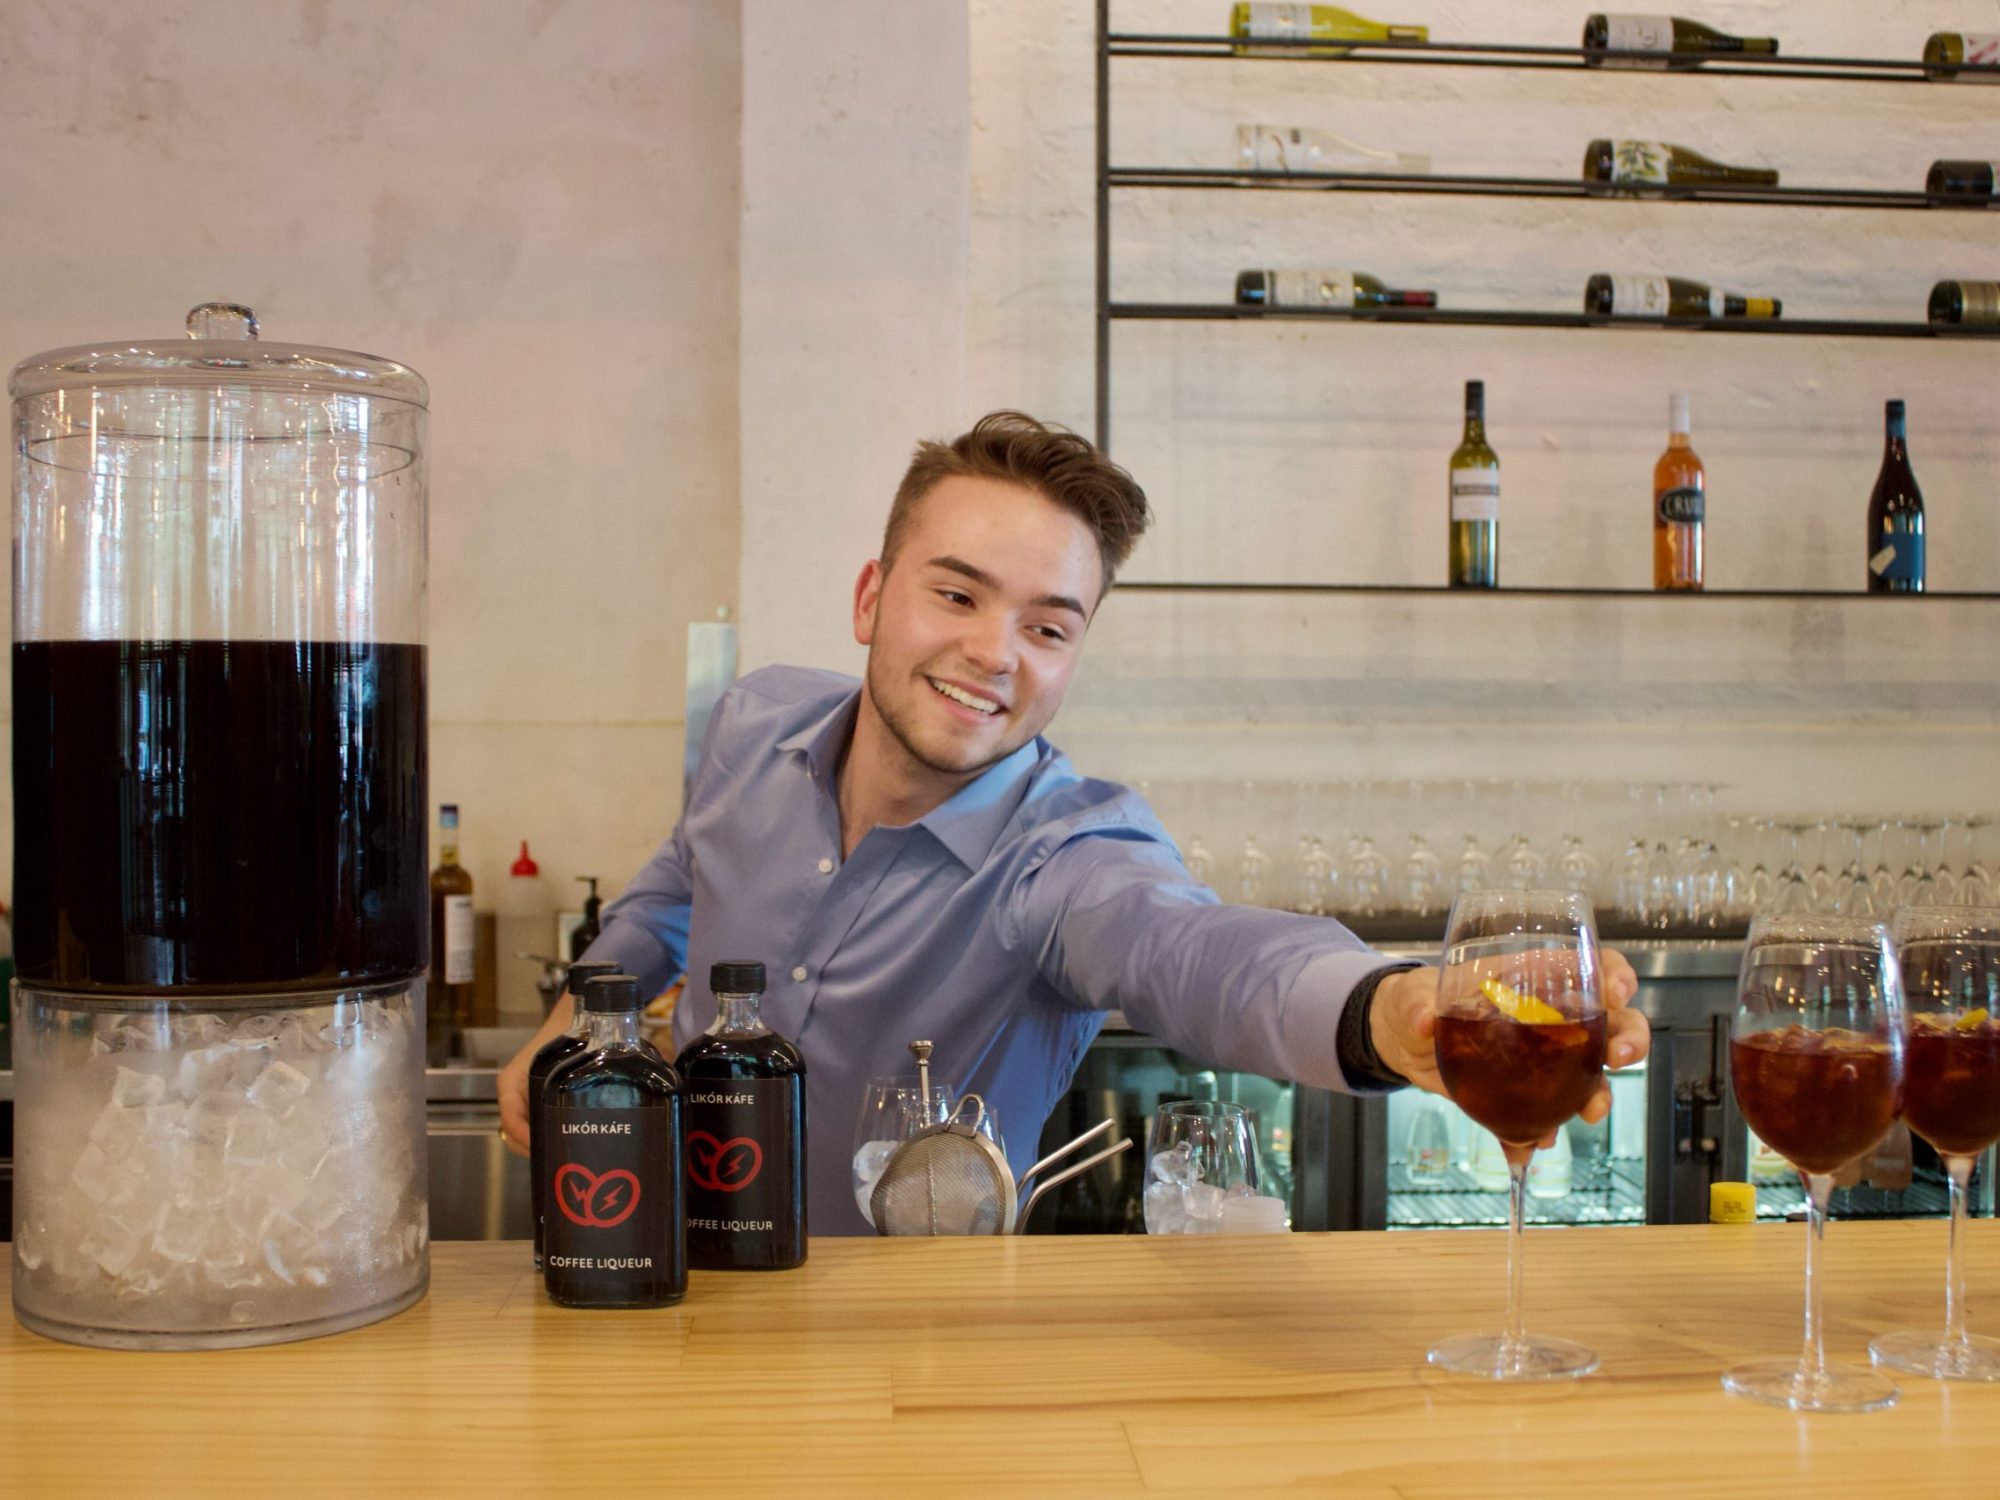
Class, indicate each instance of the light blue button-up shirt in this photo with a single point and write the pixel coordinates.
(1001, 926)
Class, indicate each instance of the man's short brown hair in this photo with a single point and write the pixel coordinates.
(1050, 460)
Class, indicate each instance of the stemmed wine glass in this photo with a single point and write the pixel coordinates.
(1520, 1047)
(1950, 958)
(1816, 1057)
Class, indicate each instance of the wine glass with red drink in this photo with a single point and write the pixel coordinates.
(1950, 961)
(1520, 1047)
(1816, 1056)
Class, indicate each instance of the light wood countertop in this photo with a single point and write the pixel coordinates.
(1048, 1366)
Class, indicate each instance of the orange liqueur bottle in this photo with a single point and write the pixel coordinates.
(1679, 494)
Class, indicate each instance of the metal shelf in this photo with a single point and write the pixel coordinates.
(1534, 58)
(1143, 586)
(1229, 312)
(1606, 1192)
(1468, 186)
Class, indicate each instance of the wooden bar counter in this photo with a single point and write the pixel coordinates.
(1048, 1366)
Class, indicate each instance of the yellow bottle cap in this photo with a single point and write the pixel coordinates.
(1732, 1203)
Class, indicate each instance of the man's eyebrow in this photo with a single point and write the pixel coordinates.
(986, 580)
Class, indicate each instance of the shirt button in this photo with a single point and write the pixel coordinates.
(826, 867)
(799, 973)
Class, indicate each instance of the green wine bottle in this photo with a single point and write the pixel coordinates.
(1948, 51)
(1663, 164)
(1965, 184)
(1668, 41)
(1896, 514)
(1475, 500)
(1261, 21)
(1973, 302)
(1322, 289)
(1670, 297)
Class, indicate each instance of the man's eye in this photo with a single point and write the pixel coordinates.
(954, 596)
(1051, 633)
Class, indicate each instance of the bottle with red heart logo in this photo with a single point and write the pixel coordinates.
(615, 1215)
(746, 1134)
(552, 1056)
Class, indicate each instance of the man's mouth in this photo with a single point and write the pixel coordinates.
(960, 696)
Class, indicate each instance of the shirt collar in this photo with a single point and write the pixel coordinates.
(968, 822)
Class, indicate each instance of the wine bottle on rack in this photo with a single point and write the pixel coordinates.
(1260, 21)
(1968, 183)
(1663, 164)
(1670, 297)
(1669, 41)
(1680, 500)
(1475, 500)
(1292, 148)
(1322, 289)
(1948, 51)
(1896, 515)
(1975, 303)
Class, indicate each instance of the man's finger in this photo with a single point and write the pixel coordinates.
(1597, 1106)
(1629, 1039)
(1619, 983)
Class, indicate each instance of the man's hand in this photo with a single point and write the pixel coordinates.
(514, 1077)
(1402, 1022)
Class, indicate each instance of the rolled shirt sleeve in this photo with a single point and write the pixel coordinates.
(1116, 923)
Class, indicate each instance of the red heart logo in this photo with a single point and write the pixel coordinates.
(592, 1201)
(723, 1166)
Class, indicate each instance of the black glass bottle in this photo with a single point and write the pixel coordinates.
(1896, 515)
(746, 1134)
(546, 1061)
(616, 1232)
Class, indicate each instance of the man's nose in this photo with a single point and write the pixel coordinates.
(990, 647)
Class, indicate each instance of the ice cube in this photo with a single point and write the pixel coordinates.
(283, 1188)
(202, 1181)
(279, 1088)
(1166, 1211)
(209, 1118)
(181, 1234)
(116, 1130)
(258, 1028)
(135, 1090)
(128, 1035)
(252, 1137)
(206, 1070)
(92, 1172)
(202, 1029)
(287, 1243)
(299, 1037)
(112, 1244)
(1204, 1206)
(1175, 1164)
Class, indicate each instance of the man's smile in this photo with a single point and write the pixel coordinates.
(965, 697)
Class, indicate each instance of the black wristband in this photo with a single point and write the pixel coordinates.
(1354, 1043)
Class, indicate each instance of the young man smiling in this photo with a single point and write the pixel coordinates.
(909, 858)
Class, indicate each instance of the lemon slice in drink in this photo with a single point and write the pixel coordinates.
(1519, 1007)
(1972, 1020)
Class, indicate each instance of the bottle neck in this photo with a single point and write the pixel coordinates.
(612, 1028)
(1677, 440)
(737, 1015)
(448, 849)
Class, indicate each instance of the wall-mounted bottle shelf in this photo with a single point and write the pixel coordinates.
(1144, 586)
(1227, 312)
(1509, 55)
(1466, 186)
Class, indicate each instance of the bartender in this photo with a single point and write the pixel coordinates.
(908, 856)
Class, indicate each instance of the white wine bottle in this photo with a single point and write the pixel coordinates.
(1948, 51)
(1670, 297)
(1261, 21)
(1292, 148)
(1666, 41)
(1322, 289)
(1663, 164)
(1974, 302)
(1475, 500)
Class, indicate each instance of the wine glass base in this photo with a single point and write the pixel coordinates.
(1783, 1383)
(1492, 1357)
(1931, 1354)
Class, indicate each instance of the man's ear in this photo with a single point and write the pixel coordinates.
(867, 595)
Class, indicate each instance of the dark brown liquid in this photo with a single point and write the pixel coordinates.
(1817, 1098)
(1518, 1080)
(1951, 1085)
(223, 816)
(781, 1190)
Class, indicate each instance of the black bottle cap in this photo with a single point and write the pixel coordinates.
(1894, 411)
(580, 973)
(736, 978)
(609, 994)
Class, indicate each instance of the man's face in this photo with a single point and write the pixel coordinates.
(973, 632)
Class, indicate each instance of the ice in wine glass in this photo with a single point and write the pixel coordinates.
(1520, 1048)
(1950, 961)
(1816, 1059)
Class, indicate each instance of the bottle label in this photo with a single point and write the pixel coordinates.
(1900, 558)
(1981, 51)
(1640, 297)
(1475, 494)
(1629, 33)
(610, 1214)
(458, 940)
(745, 1161)
(1640, 163)
(1272, 18)
(1681, 506)
(1312, 289)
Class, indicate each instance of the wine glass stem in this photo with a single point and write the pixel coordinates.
(1812, 1364)
(1517, 1204)
(1957, 1341)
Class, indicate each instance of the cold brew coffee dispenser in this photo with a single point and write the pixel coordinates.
(219, 858)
